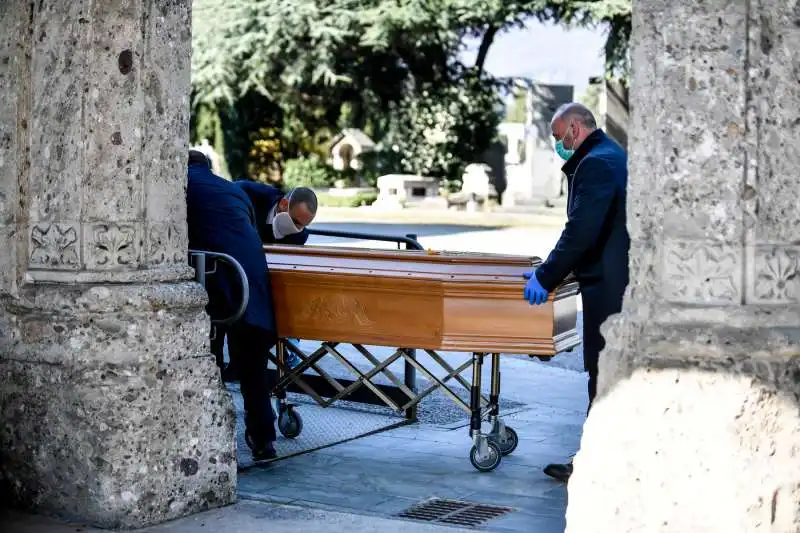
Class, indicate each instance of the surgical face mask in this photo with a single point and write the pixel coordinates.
(563, 152)
(283, 225)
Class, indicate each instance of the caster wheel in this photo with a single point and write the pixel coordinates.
(490, 461)
(290, 423)
(509, 443)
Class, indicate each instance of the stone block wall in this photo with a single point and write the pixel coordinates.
(111, 408)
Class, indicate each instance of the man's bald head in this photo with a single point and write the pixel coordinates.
(301, 204)
(576, 111)
(572, 123)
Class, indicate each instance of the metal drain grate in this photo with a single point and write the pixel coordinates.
(454, 512)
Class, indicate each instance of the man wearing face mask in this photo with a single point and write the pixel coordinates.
(594, 243)
(222, 218)
(281, 218)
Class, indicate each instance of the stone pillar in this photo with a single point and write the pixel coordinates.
(613, 104)
(697, 427)
(111, 410)
(543, 165)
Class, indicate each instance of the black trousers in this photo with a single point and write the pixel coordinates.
(218, 345)
(599, 303)
(248, 347)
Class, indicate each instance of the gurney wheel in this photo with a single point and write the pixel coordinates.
(490, 461)
(290, 423)
(510, 443)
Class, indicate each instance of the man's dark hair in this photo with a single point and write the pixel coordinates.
(198, 157)
(303, 195)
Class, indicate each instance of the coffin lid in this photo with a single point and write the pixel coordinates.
(429, 265)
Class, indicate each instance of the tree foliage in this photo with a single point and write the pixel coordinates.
(615, 15)
(439, 131)
(310, 171)
(283, 72)
(301, 48)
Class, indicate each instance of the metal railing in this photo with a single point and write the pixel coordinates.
(198, 259)
(410, 239)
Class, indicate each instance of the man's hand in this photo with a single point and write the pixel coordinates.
(534, 292)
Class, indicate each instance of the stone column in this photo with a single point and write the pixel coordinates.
(698, 425)
(112, 411)
(543, 163)
(613, 104)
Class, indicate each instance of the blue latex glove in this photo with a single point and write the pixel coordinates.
(534, 292)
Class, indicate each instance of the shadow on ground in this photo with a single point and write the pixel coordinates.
(389, 472)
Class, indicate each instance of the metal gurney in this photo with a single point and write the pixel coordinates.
(432, 302)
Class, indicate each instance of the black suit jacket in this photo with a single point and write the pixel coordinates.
(595, 243)
(264, 198)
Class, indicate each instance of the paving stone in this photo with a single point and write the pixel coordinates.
(391, 471)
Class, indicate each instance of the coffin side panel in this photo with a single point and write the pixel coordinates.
(358, 309)
(417, 301)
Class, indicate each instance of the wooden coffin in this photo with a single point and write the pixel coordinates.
(464, 302)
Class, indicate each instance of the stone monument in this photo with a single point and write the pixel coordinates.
(697, 423)
(396, 191)
(111, 410)
(613, 111)
(538, 178)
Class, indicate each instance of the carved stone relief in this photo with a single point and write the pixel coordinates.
(773, 269)
(54, 245)
(165, 244)
(111, 245)
(642, 266)
(776, 277)
(702, 272)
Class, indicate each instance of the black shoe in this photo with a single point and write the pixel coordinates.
(559, 471)
(264, 452)
(260, 451)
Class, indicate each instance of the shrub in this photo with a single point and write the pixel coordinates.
(439, 131)
(310, 171)
(265, 157)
